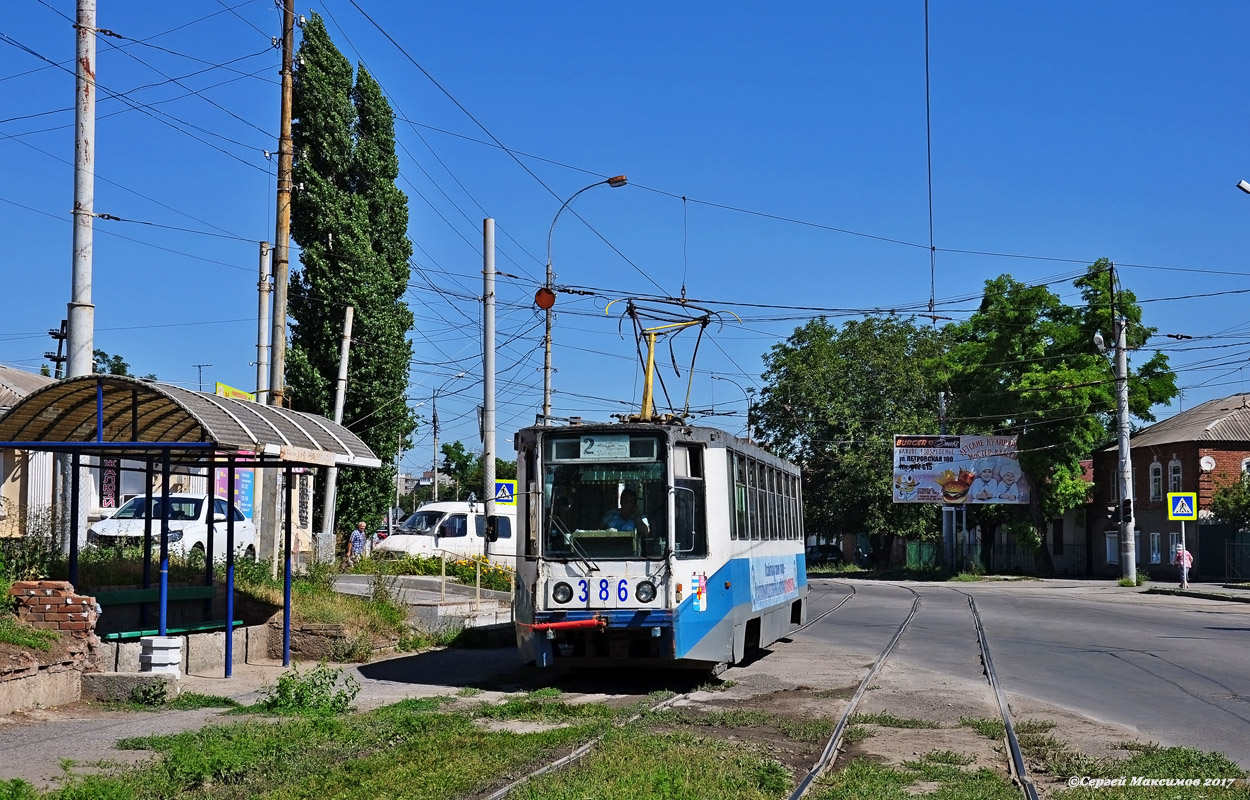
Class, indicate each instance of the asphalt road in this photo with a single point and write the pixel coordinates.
(1174, 670)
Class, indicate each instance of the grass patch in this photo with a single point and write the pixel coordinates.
(189, 701)
(855, 733)
(1152, 761)
(15, 632)
(868, 780)
(468, 691)
(544, 705)
(886, 720)
(430, 754)
(967, 577)
(321, 690)
(717, 685)
(466, 571)
(642, 765)
(989, 728)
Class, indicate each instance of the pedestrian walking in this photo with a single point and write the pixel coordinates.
(1184, 560)
(356, 545)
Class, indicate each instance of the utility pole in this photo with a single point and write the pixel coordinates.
(1128, 542)
(282, 230)
(271, 480)
(488, 373)
(80, 332)
(325, 542)
(58, 358)
(263, 289)
(201, 367)
(434, 426)
(948, 547)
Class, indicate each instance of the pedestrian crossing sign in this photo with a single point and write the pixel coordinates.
(505, 493)
(1183, 506)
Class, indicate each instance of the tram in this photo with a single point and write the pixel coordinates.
(652, 540)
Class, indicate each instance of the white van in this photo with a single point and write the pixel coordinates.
(459, 528)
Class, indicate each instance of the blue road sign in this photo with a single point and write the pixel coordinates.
(505, 493)
(1183, 506)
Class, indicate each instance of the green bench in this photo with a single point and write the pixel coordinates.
(125, 597)
(171, 630)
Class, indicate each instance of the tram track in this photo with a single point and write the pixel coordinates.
(833, 747)
(587, 747)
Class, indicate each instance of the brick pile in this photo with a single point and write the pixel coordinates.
(53, 605)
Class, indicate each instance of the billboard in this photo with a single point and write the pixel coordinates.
(238, 394)
(958, 470)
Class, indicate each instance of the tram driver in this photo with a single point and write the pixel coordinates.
(626, 517)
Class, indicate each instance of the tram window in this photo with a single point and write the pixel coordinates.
(687, 462)
(774, 515)
(739, 478)
(691, 524)
(531, 505)
(788, 516)
(753, 507)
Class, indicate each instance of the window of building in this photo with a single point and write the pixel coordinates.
(1056, 537)
(1113, 547)
(1174, 476)
(1155, 544)
(1114, 483)
(1245, 466)
(1174, 541)
(1156, 481)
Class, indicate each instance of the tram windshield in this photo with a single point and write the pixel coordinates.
(605, 496)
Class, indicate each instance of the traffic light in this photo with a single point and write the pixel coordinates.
(1126, 509)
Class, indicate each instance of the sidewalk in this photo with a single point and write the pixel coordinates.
(35, 743)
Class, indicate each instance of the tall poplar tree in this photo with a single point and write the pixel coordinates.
(350, 222)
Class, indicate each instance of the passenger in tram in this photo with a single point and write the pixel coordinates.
(626, 517)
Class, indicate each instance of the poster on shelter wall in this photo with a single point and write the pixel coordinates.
(958, 470)
(244, 485)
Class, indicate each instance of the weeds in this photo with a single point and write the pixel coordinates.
(314, 692)
(887, 720)
(13, 631)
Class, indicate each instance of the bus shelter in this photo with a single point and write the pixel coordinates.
(166, 426)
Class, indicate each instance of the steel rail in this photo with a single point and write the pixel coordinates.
(835, 741)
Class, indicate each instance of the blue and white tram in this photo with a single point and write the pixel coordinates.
(713, 567)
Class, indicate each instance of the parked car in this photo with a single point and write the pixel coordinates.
(395, 516)
(818, 554)
(455, 528)
(188, 526)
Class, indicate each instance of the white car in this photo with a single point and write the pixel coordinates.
(188, 528)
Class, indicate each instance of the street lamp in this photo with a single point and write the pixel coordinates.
(545, 298)
(1244, 186)
(748, 393)
(434, 424)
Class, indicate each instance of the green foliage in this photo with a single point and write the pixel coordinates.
(1024, 365)
(17, 633)
(887, 720)
(322, 690)
(350, 222)
(152, 694)
(465, 570)
(17, 789)
(834, 399)
(1230, 503)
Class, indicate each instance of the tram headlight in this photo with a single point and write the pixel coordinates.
(562, 592)
(645, 592)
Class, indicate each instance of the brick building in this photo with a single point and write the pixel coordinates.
(1198, 450)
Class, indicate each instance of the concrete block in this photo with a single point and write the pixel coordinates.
(119, 687)
(126, 657)
(42, 690)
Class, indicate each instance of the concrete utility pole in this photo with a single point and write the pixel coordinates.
(271, 480)
(263, 289)
(325, 541)
(434, 427)
(1128, 542)
(282, 229)
(488, 370)
(80, 333)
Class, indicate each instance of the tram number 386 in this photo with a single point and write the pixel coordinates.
(611, 592)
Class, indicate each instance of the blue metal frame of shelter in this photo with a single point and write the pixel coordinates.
(346, 449)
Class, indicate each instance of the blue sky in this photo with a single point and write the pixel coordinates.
(1061, 132)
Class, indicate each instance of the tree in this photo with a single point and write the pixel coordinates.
(350, 222)
(1231, 503)
(834, 399)
(1024, 364)
(103, 363)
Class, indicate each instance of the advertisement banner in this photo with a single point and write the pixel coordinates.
(958, 470)
(238, 394)
(110, 472)
(244, 483)
(774, 579)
